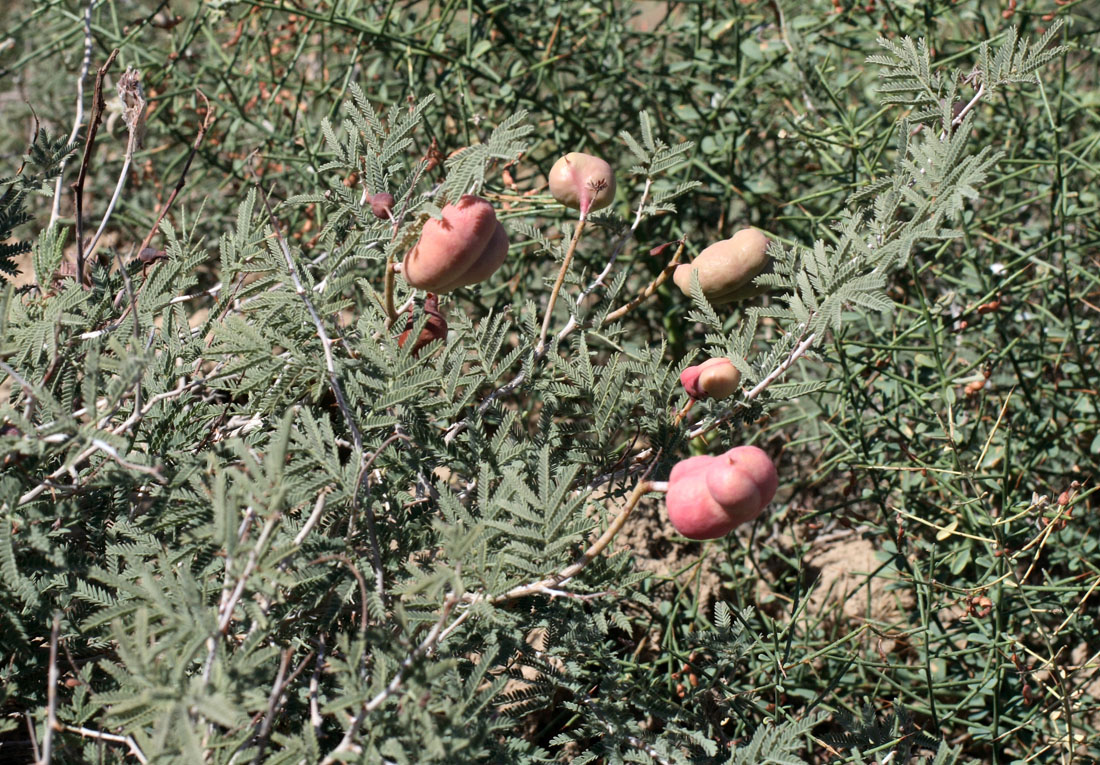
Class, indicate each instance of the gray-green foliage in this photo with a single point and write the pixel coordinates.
(41, 162)
(909, 77)
(237, 580)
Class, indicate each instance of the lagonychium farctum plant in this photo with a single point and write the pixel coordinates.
(359, 506)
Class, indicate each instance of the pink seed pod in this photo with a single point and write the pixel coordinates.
(717, 378)
(382, 205)
(466, 247)
(582, 182)
(726, 269)
(708, 497)
(435, 329)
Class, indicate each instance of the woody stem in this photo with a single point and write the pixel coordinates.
(560, 280)
(387, 293)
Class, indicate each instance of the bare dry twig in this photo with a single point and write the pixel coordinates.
(98, 105)
(648, 290)
(322, 333)
(134, 103)
(85, 65)
(207, 122)
(358, 578)
(540, 347)
(113, 738)
(642, 488)
(51, 694)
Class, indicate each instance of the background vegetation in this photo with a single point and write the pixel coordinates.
(227, 540)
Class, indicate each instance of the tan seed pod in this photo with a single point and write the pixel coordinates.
(726, 269)
(720, 380)
(714, 378)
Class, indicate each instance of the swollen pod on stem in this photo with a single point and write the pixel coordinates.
(708, 497)
(465, 247)
(726, 269)
(381, 205)
(714, 378)
(434, 329)
(582, 182)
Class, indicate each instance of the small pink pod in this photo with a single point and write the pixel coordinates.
(716, 377)
(382, 205)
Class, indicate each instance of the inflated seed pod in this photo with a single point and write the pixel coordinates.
(465, 247)
(726, 269)
(434, 329)
(714, 378)
(582, 182)
(708, 496)
(382, 205)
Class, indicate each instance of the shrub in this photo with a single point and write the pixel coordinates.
(244, 520)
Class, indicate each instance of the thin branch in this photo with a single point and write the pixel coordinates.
(794, 59)
(391, 267)
(648, 290)
(778, 372)
(133, 100)
(390, 275)
(315, 718)
(326, 342)
(112, 737)
(759, 388)
(205, 293)
(640, 490)
(138, 414)
(680, 415)
(372, 533)
(347, 744)
(550, 585)
(707, 426)
(51, 693)
(34, 736)
(358, 578)
(225, 611)
(110, 451)
(85, 65)
(318, 510)
(208, 120)
(28, 389)
(453, 626)
(211, 642)
(966, 109)
(387, 291)
(599, 280)
(69, 467)
(46, 483)
(540, 347)
(634, 741)
(129, 287)
(275, 698)
(98, 106)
